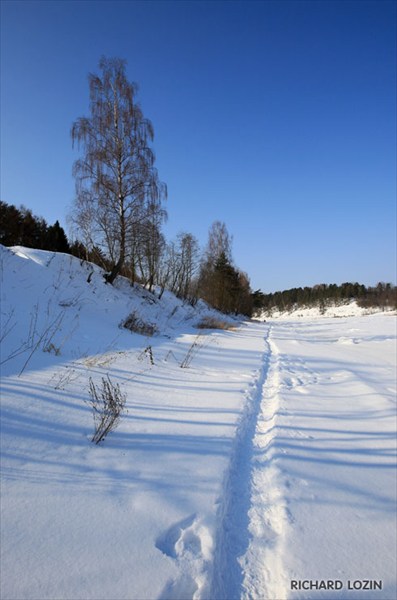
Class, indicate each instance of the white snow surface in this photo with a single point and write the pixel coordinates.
(267, 461)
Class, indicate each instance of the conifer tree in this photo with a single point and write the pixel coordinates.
(56, 239)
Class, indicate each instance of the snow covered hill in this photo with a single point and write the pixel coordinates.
(337, 310)
(255, 462)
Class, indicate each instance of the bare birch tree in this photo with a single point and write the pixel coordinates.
(189, 261)
(219, 242)
(179, 265)
(117, 185)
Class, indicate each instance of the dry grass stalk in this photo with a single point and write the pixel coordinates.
(214, 323)
(107, 405)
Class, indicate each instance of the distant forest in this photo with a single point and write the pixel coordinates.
(19, 227)
(383, 296)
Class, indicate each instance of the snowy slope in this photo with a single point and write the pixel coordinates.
(266, 459)
(63, 306)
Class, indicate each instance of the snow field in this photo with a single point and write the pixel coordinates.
(269, 458)
(333, 446)
(133, 517)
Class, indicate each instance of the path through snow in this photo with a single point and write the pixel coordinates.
(233, 513)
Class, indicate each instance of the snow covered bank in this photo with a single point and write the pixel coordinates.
(56, 303)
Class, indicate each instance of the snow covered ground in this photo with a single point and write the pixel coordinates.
(263, 464)
(323, 501)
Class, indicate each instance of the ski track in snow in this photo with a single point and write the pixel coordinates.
(264, 575)
(252, 513)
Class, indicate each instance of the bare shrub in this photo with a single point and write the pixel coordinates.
(193, 349)
(214, 323)
(147, 352)
(107, 404)
(135, 324)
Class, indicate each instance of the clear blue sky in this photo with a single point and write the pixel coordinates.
(277, 117)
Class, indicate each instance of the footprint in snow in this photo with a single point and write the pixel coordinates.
(189, 544)
(169, 543)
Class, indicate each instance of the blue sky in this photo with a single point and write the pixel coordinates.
(276, 117)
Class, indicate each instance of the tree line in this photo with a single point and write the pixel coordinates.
(180, 267)
(383, 296)
(20, 227)
(189, 273)
(119, 211)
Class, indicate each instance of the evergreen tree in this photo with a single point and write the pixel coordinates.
(56, 239)
(10, 225)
